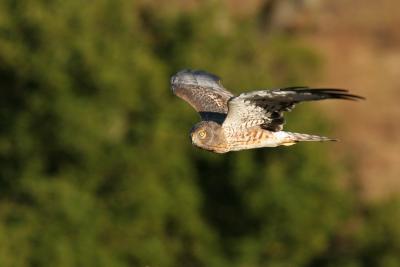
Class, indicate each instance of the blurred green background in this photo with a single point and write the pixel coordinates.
(96, 166)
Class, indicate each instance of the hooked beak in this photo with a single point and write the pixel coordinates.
(191, 138)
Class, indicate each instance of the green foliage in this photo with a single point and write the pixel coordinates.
(371, 238)
(95, 164)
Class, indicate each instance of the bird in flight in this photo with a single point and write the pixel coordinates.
(249, 120)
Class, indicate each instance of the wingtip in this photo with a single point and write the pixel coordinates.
(338, 93)
(195, 77)
(342, 94)
(178, 77)
(353, 97)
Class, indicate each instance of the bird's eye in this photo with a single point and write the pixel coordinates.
(202, 134)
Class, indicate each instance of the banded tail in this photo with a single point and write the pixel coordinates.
(293, 138)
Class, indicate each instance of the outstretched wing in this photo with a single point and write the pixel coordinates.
(265, 108)
(204, 92)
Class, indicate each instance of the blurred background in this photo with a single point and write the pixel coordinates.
(96, 166)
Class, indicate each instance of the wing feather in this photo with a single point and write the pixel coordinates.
(265, 107)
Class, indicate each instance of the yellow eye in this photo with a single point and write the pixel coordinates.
(202, 134)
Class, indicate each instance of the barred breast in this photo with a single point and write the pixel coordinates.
(254, 137)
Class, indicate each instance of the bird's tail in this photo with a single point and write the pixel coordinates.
(293, 138)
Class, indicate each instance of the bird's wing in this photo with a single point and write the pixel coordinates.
(204, 92)
(265, 108)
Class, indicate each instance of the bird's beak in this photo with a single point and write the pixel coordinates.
(191, 138)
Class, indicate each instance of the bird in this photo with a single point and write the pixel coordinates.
(249, 120)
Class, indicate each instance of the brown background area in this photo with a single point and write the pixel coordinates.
(360, 42)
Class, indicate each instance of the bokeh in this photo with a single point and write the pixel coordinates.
(96, 165)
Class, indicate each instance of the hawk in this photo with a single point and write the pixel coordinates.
(249, 120)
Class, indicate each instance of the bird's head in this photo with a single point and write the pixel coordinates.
(208, 135)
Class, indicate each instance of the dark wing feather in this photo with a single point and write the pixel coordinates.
(204, 92)
(265, 108)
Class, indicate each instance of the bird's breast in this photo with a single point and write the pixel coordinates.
(247, 138)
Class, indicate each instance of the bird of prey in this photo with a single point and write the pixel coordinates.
(249, 120)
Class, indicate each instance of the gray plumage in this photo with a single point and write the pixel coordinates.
(249, 120)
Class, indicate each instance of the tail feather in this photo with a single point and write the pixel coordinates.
(292, 138)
